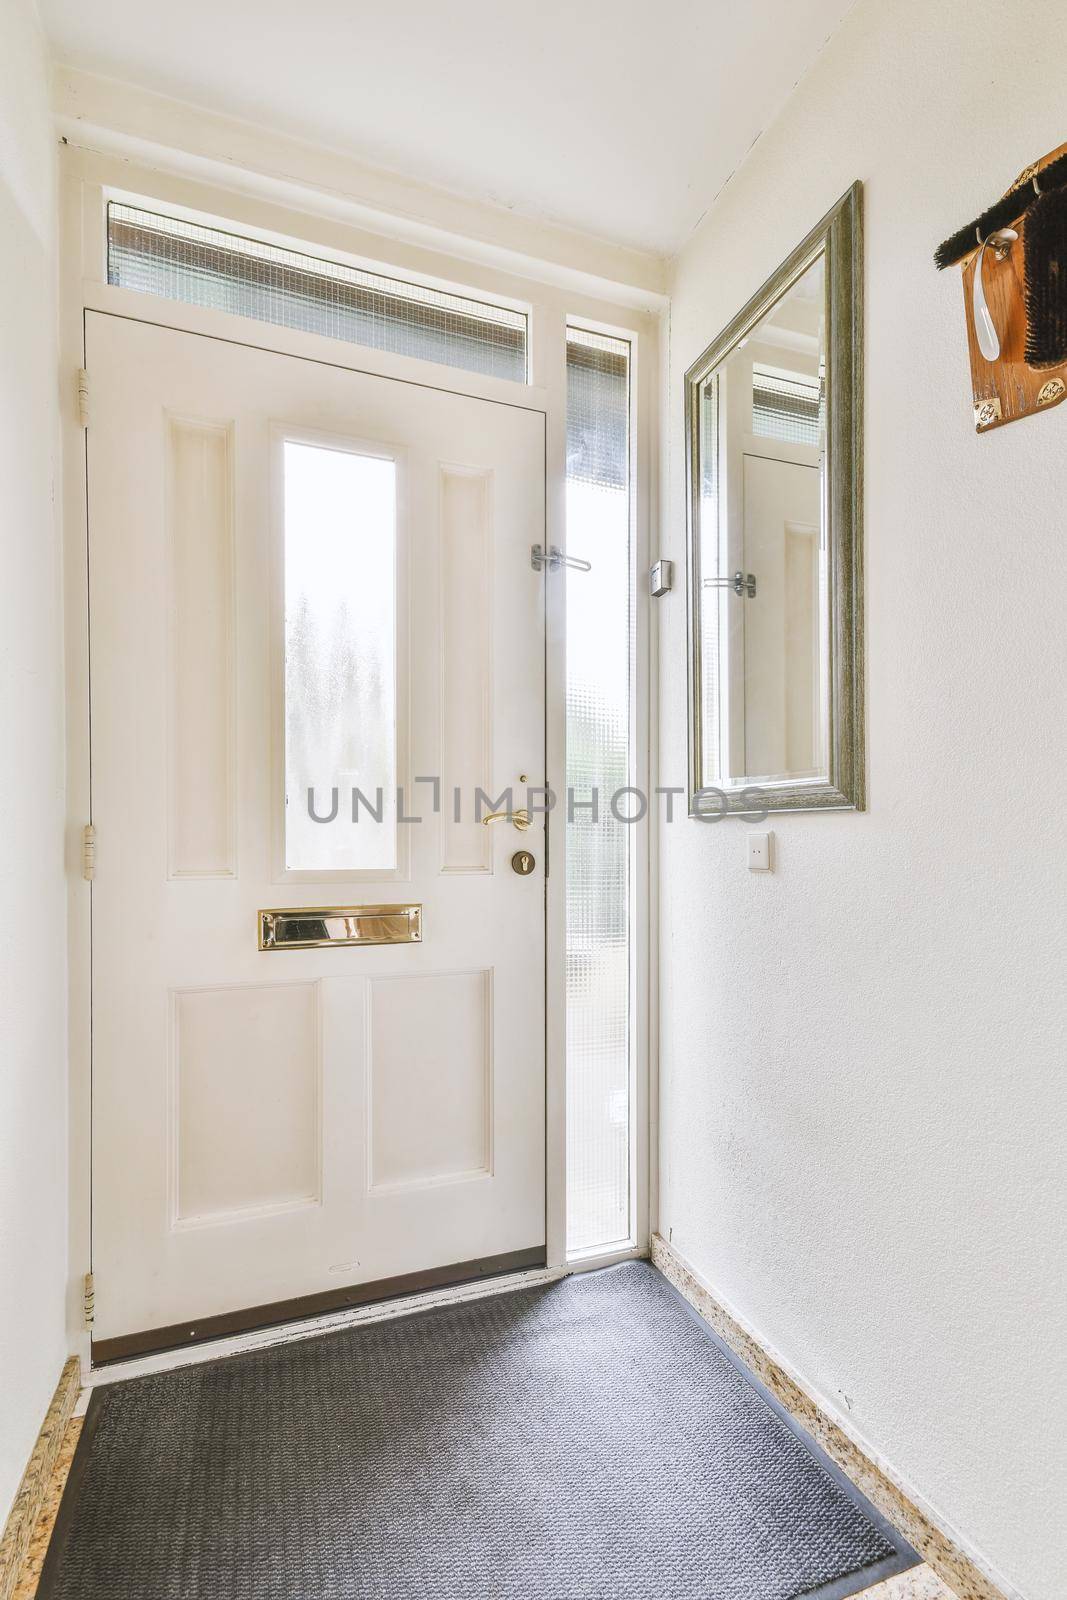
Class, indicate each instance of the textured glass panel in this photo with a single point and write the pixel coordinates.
(711, 566)
(600, 635)
(340, 659)
(785, 405)
(209, 267)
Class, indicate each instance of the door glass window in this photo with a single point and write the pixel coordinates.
(340, 543)
(600, 845)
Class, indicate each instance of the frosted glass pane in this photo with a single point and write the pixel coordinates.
(599, 662)
(213, 267)
(340, 659)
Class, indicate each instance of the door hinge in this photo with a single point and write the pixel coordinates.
(88, 852)
(89, 1299)
(83, 398)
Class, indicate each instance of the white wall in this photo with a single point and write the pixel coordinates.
(33, 1181)
(864, 1084)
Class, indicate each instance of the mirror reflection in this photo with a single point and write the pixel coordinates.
(760, 548)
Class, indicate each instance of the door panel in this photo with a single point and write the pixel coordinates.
(271, 1124)
(781, 545)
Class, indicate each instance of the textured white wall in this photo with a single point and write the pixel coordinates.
(33, 1183)
(864, 1087)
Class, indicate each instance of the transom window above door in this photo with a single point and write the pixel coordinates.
(180, 259)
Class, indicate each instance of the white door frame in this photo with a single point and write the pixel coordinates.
(87, 178)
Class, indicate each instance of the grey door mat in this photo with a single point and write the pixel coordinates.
(588, 1438)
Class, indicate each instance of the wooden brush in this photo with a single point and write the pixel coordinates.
(1003, 214)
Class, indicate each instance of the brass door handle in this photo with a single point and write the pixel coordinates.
(521, 818)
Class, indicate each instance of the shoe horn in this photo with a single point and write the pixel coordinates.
(985, 330)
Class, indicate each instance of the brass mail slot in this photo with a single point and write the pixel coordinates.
(313, 927)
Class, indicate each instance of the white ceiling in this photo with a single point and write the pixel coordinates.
(621, 118)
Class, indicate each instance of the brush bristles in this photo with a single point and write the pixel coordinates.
(955, 249)
(1046, 261)
(1001, 215)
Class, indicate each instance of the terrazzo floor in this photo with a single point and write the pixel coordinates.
(26, 1583)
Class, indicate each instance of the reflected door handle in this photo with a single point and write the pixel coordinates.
(520, 818)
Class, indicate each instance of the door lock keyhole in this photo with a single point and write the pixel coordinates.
(523, 863)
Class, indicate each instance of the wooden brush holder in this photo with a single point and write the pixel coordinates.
(1007, 389)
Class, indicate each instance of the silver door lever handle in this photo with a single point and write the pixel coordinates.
(553, 558)
(741, 583)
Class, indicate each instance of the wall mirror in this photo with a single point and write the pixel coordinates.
(775, 545)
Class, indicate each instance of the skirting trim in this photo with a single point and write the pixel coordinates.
(22, 1518)
(942, 1553)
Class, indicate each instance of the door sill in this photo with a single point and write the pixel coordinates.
(270, 1320)
(598, 1255)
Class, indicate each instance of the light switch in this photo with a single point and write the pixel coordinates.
(759, 851)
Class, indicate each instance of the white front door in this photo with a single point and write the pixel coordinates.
(305, 578)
